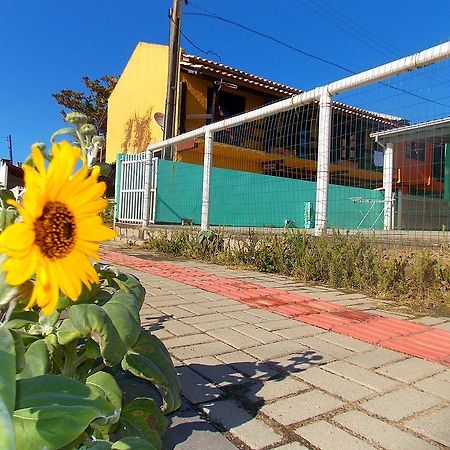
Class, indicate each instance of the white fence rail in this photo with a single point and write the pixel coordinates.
(137, 186)
(138, 173)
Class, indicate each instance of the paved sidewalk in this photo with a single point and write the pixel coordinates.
(254, 378)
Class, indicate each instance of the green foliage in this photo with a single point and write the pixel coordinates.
(7, 388)
(93, 102)
(415, 279)
(64, 367)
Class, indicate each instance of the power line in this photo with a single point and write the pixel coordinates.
(272, 38)
(211, 15)
(205, 52)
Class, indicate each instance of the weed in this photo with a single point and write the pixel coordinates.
(416, 279)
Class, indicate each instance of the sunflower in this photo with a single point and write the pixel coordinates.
(60, 228)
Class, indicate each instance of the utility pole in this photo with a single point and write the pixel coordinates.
(9, 139)
(172, 76)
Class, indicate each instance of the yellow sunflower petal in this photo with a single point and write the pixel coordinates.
(88, 209)
(38, 159)
(92, 229)
(20, 270)
(65, 157)
(68, 278)
(17, 240)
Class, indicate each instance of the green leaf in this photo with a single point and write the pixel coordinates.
(5, 195)
(21, 319)
(150, 360)
(7, 388)
(92, 320)
(97, 445)
(123, 310)
(62, 131)
(7, 217)
(140, 417)
(134, 443)
(20, 350)
(130, 283)
(36, 360)
(52, 411)
(105, 385)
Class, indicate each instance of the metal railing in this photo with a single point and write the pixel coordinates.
(326, 159)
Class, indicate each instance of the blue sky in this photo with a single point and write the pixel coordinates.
(46, 46)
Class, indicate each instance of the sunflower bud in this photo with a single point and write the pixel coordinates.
(99, 140)
(40, 145)
(76, 118)
(87, 130)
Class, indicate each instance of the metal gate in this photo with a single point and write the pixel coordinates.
(136, 188)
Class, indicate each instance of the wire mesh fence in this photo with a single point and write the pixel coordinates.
(374, 159)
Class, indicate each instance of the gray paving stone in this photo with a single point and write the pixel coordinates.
(197, 351)
(197, 309)
(183, 341)
(280, 324)
(214, 317)
(265, 352)
(400, 404)
(321, 346)
(329, 437)
(244, 316)
(299, 362)
(292, 446)
(250, 430)
(166, 301)
(300, 331)
(375, 358)
(434, 425)
(380, 433)
(176, 312)
(161, 333)
(347, 342)
(430, 320)
(249, 366)
(301, 407)
(234, 338)
(264, 314)
(231, 308)
(335, 384)
(436, 386)
(361, 376)
(188, 431)
(411, 369)
(212, 296)
(219, 373)
(443, 376)
(196, 388)
(217, 324)
(179, 328)
(444, 326)
(258, 334)
(274, 388)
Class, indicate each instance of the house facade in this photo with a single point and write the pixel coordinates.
(285, 145)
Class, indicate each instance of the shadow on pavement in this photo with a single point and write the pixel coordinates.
(226, 396)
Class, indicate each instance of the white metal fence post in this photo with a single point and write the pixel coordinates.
(388, 171)
(147, 188)
(323, 161)
(207, 162)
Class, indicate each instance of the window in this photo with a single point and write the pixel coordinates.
(415, 150)
(226, 104)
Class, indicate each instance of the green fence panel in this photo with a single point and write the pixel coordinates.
(244, 199)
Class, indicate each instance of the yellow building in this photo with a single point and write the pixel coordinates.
(203, 86)
(283, 145)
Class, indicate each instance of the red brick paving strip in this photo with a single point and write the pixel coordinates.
(407, 337)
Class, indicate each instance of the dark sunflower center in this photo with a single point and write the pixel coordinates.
(55, 230)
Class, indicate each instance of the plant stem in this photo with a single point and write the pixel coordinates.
(9, 311)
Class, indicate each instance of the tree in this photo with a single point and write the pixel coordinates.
(93, 102)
